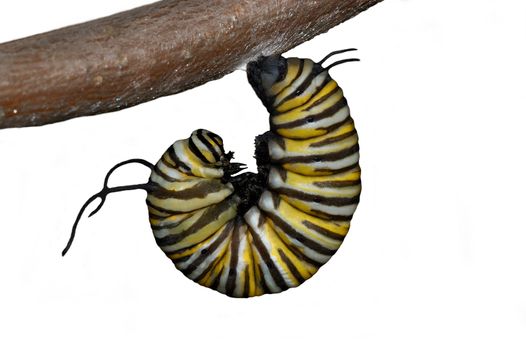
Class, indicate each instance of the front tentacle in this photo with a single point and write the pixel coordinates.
(102, 194)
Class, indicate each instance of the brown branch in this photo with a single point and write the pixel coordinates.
(151, 51)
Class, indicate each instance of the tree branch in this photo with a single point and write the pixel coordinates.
(156, 50)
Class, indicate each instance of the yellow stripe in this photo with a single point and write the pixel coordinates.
(294, 218)
(208, 278)
(187, 205)
(296, 113)
(306, 270)
(305, 184)
(293, 65)
(248, 257)
(301, 146)
(307, 70)
(206, 231)
(197, 248)
(169, 220)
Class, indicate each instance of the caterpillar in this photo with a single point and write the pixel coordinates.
(247, 234)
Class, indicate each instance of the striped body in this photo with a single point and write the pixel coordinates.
(301, 203)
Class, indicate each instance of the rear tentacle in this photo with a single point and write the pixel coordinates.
(115, 167)
(102, 194)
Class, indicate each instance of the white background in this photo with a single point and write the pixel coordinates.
(435, 258)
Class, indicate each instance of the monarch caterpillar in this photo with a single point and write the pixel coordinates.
(250, 234)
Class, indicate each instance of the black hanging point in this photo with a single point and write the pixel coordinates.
(104, 193)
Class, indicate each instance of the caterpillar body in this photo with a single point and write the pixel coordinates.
(250, 234)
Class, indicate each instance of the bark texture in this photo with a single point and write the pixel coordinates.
(156, 50)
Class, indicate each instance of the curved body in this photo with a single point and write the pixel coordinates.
(251, 234)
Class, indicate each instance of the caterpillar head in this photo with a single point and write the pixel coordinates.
(208, 147)
(283, 84)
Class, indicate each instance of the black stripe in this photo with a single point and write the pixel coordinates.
(339, 184)
(261, 219)
(234, 257)
(173, 224)
(341, 170)
(324, 157)
(316, 70)
(212, 135)
(168, 164)
(181, 259)
(322, 231)
(246, 287)
(324, 98)
(153, 216)
(290, 231)
(217, 279)
(303, 196)
(162, 174)
(196, 151)
(298, 74)
(297, 252)
(335, 126)
(275, 200)
(263, 283)
(276, 139)
(333, 139)
(211, 214)
(328, 216)
(201, 189)
(301, 88)
(327, 80)
(205, 271)
(211, 266)
(313, 262)
(282, 173)
(274, 272)
(162, 210)
(218, 140)
(175, 159)
(182, 250)
(311, 118)
(292, 268)
(253, 265)
(208, 145)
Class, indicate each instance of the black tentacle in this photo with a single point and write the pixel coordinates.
(342, 61)
(334, 53)
(102, 194)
